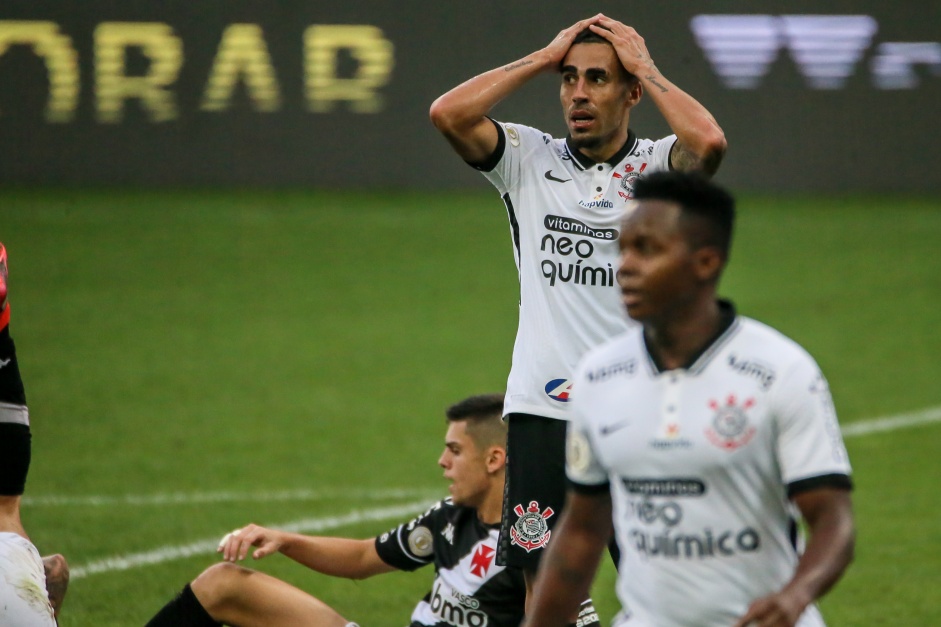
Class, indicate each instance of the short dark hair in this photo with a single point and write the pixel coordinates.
(484, 416)
(708, 204)
(588, 36)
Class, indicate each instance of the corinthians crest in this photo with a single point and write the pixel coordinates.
(730, 428)
(531, 531)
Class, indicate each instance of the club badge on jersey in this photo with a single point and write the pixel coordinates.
(730, 427)
(531, 531)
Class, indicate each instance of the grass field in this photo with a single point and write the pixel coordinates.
(199, 360)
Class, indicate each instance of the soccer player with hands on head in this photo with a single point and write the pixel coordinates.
(564, 199)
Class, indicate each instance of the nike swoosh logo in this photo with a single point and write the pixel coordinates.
(609, 429)
(557, 180)
(5, 362)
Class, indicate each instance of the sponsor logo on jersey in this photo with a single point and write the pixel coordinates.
(576, 252)
(618, 368)
(455, 608)
(559, 390)
(596, 204)
(730, 428)
(483, 558)
(763, 373)
(679, 486)
(707, 544)
(670, 438)
(531, 531)
(648, 512)
(577, 227)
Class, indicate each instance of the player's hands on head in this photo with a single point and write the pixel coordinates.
(627, 42)
(235, 545)
(559, 47)
(776, 610)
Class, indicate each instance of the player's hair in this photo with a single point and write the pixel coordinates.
(588, 36)
(484, 416)
(708, 208)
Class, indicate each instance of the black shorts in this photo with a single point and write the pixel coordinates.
(535, 488)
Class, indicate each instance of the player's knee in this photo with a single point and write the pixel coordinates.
(218, 585)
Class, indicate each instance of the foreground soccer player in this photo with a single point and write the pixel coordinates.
(458, 535)
(708, 432)
(31, 588)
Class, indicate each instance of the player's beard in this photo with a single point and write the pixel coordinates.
(586, 141)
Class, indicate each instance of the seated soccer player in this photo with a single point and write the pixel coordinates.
(31, 588)
(458, 535)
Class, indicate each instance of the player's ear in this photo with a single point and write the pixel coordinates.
(707, 263)
(635, 91)
(496, 459)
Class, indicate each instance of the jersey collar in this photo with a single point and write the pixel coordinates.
(699, 360)
(583, 162)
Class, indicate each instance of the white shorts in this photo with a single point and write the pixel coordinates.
(24, 601)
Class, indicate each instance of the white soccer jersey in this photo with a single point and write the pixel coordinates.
(565, 213)
(700, 462)
(23, 597)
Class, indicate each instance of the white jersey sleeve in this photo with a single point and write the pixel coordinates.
(809, 443)
(582, 466)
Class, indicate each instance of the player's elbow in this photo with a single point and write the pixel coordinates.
(714, 149)
(449, 116)
(711, 151)
(442, 115)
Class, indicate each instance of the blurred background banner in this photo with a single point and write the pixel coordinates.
(823, 96)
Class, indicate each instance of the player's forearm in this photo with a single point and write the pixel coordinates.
(564, 582)
(337, 557)
(467, 104)
(829, 552)
(697, 131)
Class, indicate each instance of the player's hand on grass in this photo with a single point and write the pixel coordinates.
(775, 610)
(234, 546)
(57, 580)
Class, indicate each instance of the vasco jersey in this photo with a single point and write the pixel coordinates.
(469, 589)
(565, 213)
(700, 463)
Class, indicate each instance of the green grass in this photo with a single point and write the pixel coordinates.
(254, 342)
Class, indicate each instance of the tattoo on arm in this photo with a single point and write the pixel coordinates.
(514, 66)
(653, 80)
(685, 160)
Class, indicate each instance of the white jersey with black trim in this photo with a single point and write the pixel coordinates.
(565, 213)
(700, 462)
(470, 589)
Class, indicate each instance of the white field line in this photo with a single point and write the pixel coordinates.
(207, 546)
(892, 423)
(198, 498)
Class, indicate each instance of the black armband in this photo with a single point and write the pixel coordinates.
(15, 440)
